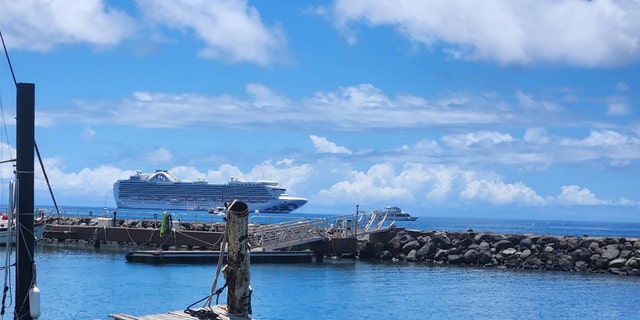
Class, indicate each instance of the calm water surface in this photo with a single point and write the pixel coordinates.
(87, 284)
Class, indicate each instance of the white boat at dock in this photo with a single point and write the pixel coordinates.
(8, 230)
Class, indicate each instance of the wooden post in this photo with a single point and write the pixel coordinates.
(236, 272)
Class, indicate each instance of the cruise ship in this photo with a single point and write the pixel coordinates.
(163, 191)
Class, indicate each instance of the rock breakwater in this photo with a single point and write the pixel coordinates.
(528, 251)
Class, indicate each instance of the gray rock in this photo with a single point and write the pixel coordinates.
(610, 252)
(455, 259)
(411, 256)
(525, 243)
(484, 258)
(441, 255)
(427, 251)
(508, 252)
(503, 244)
(411, 245)
(598, 262)
(525, 254)
(471, 256)
(632, 263)
(617, 263)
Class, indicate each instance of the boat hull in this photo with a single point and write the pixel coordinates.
(38, 230)
(272, 206)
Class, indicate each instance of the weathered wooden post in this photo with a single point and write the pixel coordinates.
(236, 272)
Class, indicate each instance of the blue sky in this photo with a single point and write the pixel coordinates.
(523, 109)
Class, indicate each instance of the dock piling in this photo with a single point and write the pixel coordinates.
(236, 272)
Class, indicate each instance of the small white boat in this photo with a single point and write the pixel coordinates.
(7, 233)
(392, 213)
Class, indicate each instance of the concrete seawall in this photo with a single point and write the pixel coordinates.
(542, 252)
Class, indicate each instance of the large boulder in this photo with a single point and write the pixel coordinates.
(503, 244)
(411, 245)
(610, 252)
(471, 256)
(399, 240)
(427, 251)
(617, 263)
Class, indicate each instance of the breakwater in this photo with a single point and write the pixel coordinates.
(615, 255)
(542, 252)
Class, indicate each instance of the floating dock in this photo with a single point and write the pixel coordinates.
(202, 256)
(179, 315)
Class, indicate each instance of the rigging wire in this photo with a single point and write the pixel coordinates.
(46, 178)
(6, 53)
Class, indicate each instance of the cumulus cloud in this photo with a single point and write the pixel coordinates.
(41, 25)
(582, 33)
(325, 146)
(574, 195)
(231, 31)
(499, 192)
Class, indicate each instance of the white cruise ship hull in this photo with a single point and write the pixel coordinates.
(272, 206)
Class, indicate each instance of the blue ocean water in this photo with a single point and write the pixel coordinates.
(87, 283)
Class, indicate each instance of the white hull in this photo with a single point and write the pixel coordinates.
(271, 206)
(394, 214)
(38, 230)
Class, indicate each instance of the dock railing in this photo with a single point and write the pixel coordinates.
(282, 235)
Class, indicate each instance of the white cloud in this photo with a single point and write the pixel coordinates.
(536, 135)
(574, 195)
(265, 97)
(622, 87)
(583, 33)
(231, 30)
(41, 25)
(599, 138)
(325, 146)
(501, 193)
(618, 109)
(88, 133)
(462, 141)
(160, 155)
(379, 183)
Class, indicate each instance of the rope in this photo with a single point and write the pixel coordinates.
(223, 249)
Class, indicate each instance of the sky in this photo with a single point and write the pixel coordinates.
(515, 109)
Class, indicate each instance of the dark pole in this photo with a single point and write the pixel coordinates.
(25, 242)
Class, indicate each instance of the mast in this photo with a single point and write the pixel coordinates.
(25, 242)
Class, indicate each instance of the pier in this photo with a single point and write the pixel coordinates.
(323, 236)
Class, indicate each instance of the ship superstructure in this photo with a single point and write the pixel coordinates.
(163, 191)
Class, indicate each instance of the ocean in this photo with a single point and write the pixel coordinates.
(86, 283)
